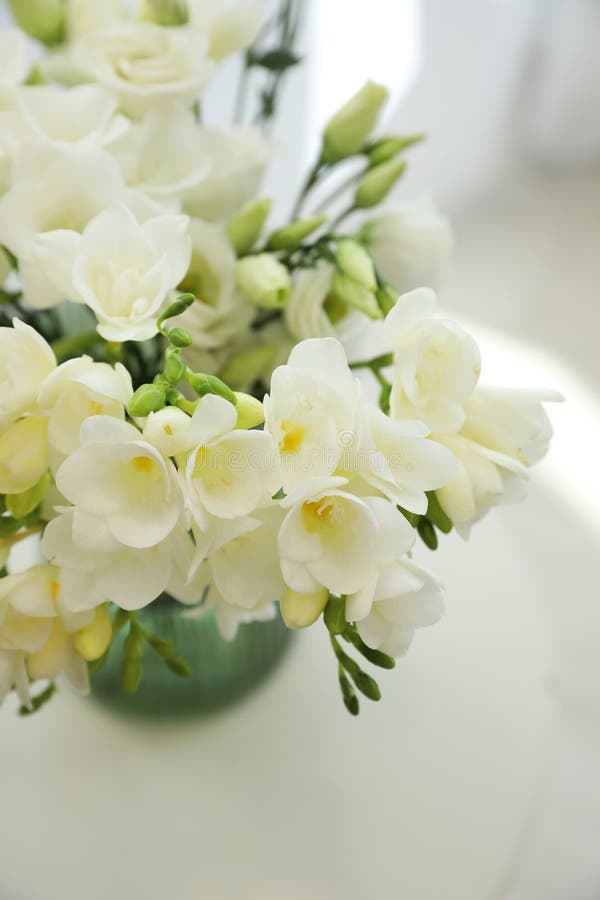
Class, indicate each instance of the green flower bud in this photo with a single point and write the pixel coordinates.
(376, 183)
(290, 237)
(263, 280)
(245, 226)
(350, 292)
(179, 337)
(176, 308)
(148, 398)
(247, 366)
(175, 368)
(131, 675)
(347, 131)
(250, 411)
(302, 610)
(355, 262)
(387, 148)
(209, 384)
(386, 297)
(44, 20)
(166, 12)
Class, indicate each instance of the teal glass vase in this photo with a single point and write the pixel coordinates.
(222, 671)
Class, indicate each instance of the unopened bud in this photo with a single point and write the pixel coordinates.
(302, 610)
(209, 384)
(263, 280)
(249, 410)
(354, 261)
(93, 640)
(347, 131)
(44, 20)
(20, 505)
(176, 308)
(389, 147)
(376, 183)
(290, 237)
(166, 12)
(175, 368)
(245, 226)
(348, 291)
(148, 398)
(179, 337)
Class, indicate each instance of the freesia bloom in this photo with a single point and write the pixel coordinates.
(411, 244)
(505, 432)
(94, 567)
(328, 539)
(231, 26)
(400, 596)
(144, 64)
(242, 567)
(414, 600)
(312, 313)
(57, 190)
(86, 114)
(38, 637)
(13, 53)
(122, 488)
(437, 364)
(124, 271)
(80, 388)
(26, 360)
(311, 410)
(232, 471)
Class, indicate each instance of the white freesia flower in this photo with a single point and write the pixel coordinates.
(164, 153)
(414, 600)
(239, 158)
(86, 114)
(401, 596)
(80, 388)
(241, 568)
(13, 53)
(84, 16)
(328, 539)
(124, 270)
(397, 459)
(231, 472)
(57, 191)
(437, 364)
(26, 360)
(505, 432)
(310, 311)
(92, 572)
(311, 410)
(38, 638)
(411, 244)
(123, 490)
(231, 26)
(144, 64)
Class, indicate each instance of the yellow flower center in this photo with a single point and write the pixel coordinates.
(143, 464)
(96, 408)
(54, 589)
(291, 438)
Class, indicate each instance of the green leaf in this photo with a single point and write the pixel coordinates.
(274, 60)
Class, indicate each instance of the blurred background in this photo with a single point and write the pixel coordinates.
(509, 93)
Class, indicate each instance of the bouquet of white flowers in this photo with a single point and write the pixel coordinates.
(243, 417)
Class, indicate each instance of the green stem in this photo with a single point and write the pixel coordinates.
(75, 344)
(337, 192)
(311, 179)
(343, 215)
(378, 362)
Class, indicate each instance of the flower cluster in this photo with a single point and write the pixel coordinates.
(246, 420)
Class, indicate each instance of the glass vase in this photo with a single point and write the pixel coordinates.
(222, 671)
